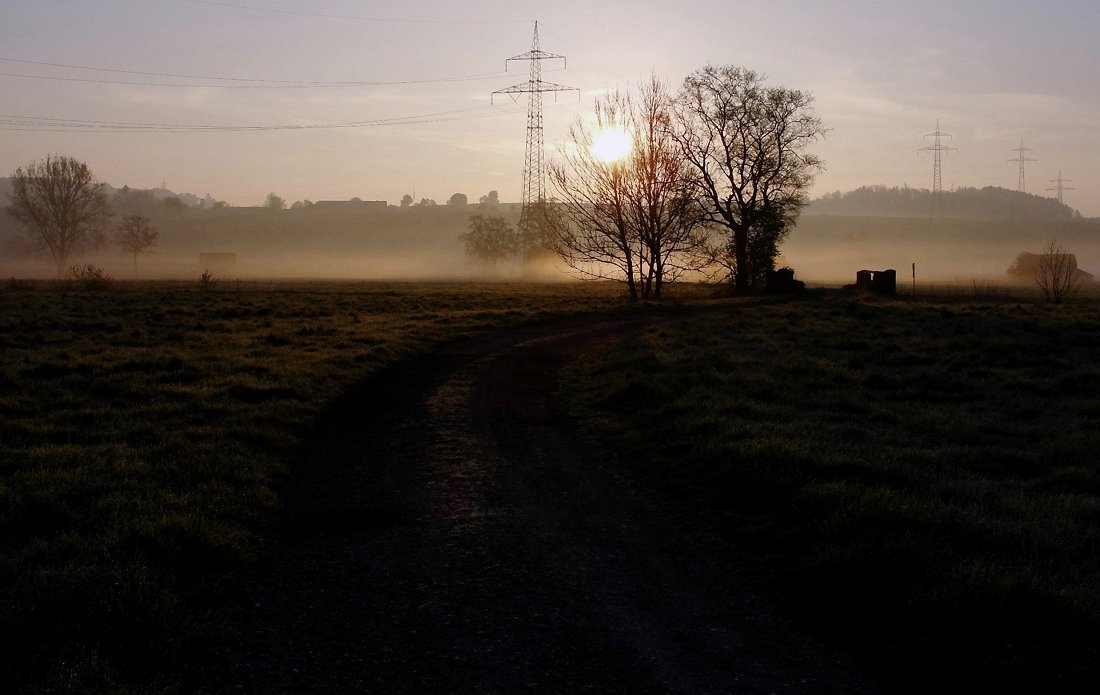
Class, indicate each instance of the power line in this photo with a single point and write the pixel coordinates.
(243, 82)
(1059, 186)
(359, 18)
(44, 124)
(1023, 159)
(937, 173)
(534, 159)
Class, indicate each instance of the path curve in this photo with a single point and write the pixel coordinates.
(448, 532)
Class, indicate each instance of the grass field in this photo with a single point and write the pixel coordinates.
(918, 480)
(144, 433)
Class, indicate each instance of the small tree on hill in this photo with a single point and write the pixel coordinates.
(490, 240)
(458, 199)
(59, 202)
(134, 236)
(406, 200)
(274, 202)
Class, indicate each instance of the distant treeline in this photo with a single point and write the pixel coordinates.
(989, 203)
(343, 238)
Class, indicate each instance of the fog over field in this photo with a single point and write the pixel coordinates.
(422, 243)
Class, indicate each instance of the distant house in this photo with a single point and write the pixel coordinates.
(1026, 266)
(354, 204)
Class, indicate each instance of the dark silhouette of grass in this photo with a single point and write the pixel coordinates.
(919, 481)
(145, 436)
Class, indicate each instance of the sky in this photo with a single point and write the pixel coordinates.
(240, 98)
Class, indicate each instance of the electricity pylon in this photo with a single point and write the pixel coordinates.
(534, 160)
(1023, 159)
(937, 173)
(1060, 185)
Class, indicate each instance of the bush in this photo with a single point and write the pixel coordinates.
(89, 277)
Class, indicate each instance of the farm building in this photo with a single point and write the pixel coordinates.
(1026, 266)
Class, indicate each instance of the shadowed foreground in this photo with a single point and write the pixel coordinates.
(448, 533)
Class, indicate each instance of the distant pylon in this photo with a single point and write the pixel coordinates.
(1060, 185)
(937, 172)
(1023, 159)
(534, 160)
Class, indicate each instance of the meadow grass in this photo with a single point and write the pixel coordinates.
(144, 435)
(918, 480)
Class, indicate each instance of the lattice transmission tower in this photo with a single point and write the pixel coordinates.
(534, 160)
(1060, 186)
(937, 148)
(1023, 159)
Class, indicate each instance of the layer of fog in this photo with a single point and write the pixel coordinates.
(421, 245)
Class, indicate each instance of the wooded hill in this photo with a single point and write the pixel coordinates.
(989, 203)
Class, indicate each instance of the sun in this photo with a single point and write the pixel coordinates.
(611, 144)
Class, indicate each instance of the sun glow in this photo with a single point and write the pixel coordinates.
(611, 144)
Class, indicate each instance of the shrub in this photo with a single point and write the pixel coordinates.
(89, 277)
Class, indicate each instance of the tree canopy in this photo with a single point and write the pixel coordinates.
(274, 202)
(746, 144)
(134, 235)
(59, 202)
(626, 212)
(490, 240)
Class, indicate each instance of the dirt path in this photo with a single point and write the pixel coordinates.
(454, 536)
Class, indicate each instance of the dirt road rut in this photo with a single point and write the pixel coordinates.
(450, 533)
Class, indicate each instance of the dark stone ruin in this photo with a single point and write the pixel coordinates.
(877, 281)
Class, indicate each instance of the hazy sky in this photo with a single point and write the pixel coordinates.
(993, 72)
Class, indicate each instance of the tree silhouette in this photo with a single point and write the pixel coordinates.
(134, 236)
(1057, 275)
(59, 202)
(274, 202)
(490, 240)
(746, 143)
(631, 218)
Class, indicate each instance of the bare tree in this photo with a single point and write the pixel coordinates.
(274, 202)
(59, 202)
(490, 240)
(746, 144)
(628, 218)
(1057, 274)
(135, 236)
